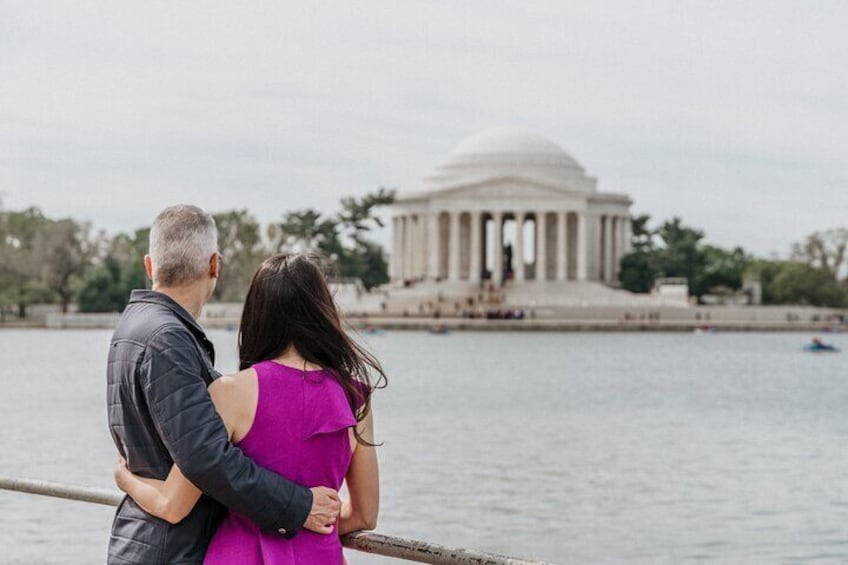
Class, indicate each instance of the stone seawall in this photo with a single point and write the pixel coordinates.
(364, 325)
(804, 319)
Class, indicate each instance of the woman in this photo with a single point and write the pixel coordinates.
(299, 406)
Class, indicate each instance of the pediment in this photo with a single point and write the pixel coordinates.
(508, 188)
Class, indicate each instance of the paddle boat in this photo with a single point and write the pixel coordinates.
(818, 346)
(438, 329)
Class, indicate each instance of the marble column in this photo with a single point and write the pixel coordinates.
(434, 245)
(619, 244)
(408, 248)
(402, 247)
(608, 250)
(474, 251)
(541, 246)
(453, 249)
(561, 254)
(497, 266)
(599, 261)
(421, 237)
(518, 252)
(582, 244)
(414, 250)
(627, 232)
(396, 252)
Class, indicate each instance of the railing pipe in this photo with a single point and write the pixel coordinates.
(368, 542)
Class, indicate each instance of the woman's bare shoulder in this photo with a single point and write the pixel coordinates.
(233, 387)
(235, 398)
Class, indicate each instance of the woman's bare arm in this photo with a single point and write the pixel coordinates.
(173, 498)
(363, 484)
(170, 500)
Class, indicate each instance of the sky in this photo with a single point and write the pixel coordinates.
(731, 115)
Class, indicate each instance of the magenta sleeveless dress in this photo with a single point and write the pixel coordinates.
(300, 431)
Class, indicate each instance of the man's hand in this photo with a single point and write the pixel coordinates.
(326, 506)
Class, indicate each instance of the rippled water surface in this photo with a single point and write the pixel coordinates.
(565, 447)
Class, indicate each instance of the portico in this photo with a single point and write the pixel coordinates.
(510, 204)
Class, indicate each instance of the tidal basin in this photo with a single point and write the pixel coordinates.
(563, 447)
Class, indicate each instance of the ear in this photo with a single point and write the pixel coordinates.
(215, 266)
(148, 266)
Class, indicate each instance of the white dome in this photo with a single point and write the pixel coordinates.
(509, 141)
(504, 152)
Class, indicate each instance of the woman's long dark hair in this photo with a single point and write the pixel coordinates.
(289, 304)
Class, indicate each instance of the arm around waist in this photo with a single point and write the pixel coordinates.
(198, 442)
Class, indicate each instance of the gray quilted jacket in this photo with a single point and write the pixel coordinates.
(160, 363)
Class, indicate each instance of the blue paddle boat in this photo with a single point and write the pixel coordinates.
(818, 346)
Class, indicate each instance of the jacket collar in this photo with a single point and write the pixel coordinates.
(161, 299)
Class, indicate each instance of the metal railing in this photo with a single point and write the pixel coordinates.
(368, 542)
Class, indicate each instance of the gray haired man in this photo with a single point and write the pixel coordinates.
(160, 414)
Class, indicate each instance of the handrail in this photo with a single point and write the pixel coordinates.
(368, 542)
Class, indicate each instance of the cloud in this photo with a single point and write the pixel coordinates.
(728, 115)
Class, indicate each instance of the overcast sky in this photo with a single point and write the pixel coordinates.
(732, 115)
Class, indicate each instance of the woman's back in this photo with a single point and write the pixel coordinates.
(300, 430)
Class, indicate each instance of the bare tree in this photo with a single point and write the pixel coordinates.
(63, 249)
(240, 242)
(825, 250)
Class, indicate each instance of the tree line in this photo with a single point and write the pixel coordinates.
(814, 274)
(44, 260)
(62, 261)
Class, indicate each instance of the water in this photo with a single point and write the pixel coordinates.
(570, 448)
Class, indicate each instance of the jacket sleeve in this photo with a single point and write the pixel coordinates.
(195, 436)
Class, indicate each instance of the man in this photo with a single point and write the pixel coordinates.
(160, 414)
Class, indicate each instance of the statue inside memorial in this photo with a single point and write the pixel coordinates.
(508, 271)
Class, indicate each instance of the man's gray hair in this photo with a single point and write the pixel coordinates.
(182, 240)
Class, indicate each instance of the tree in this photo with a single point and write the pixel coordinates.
(800, 283)
(19, 273)
(642, 235)
(240, 243)
(46, 260)
(677, 250)
(130, 252)
(766, 270)
(672, 250)
(796, 282)
(367, 263)
(825, 250)
(63, 250)
(103, 289)
(304, 231)
(638, 270)
(722, 269)
(342, 239)
(107, 285)
(681, 255)
(358, 215)
(364, 260)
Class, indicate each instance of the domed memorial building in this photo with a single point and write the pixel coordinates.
(509, 205)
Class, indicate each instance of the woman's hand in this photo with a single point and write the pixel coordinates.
(120, 472)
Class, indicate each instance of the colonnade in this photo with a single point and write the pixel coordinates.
(455, 245)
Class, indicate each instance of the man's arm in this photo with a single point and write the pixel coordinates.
(197, 440)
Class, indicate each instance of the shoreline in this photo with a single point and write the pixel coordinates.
(584, 325)
(362, 324)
